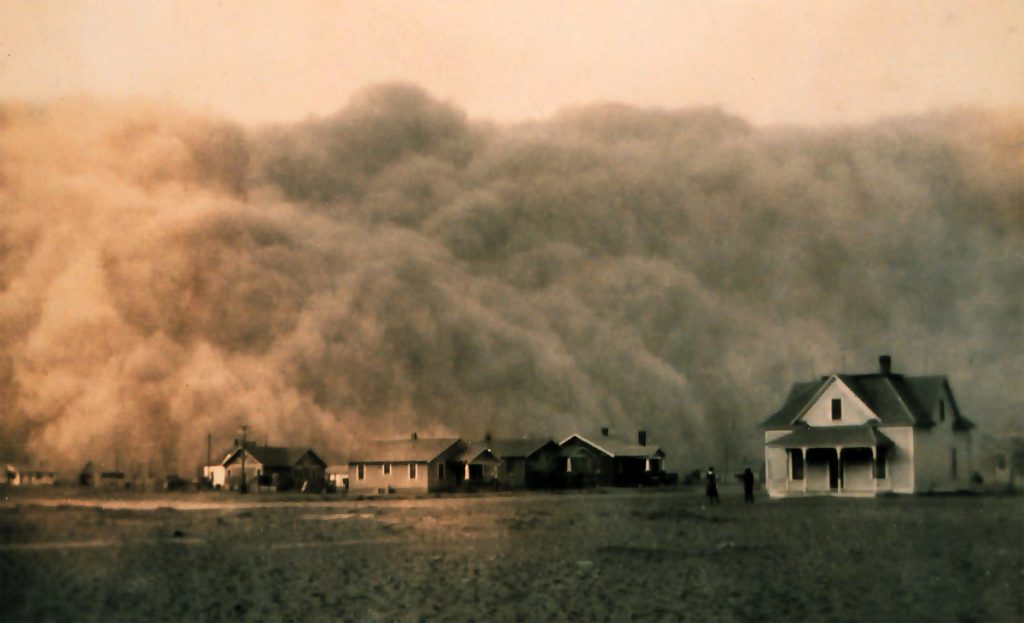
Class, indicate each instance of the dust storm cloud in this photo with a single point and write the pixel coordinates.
(400, 267)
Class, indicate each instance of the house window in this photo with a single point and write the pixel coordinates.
(942, 410)
(568, 465)
(837, 409)
(647, 465)
(440, 471)
(360, 474)
(796, 465)
(412, 471)
(387, 468)
(880, 463)
(952, 463)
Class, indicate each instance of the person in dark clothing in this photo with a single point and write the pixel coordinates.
(712, 490)
(748, 485)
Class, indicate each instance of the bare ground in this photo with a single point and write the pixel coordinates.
(612, 555)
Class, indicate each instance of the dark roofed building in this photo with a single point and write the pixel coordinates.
(514, 463)
(860, 434)
(275, 468)
(607, 460)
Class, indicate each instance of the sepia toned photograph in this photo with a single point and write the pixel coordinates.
(525, 310)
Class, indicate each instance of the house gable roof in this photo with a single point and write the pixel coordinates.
(272, 456)
(477, 454)
(897, 400)
(514, 448)
(405, 450)
(618, 448)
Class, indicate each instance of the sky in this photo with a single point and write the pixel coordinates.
(300, 217)
(807, 63)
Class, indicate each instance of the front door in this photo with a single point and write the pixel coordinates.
(833, 472)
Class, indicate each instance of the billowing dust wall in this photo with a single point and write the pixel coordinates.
(399, 267)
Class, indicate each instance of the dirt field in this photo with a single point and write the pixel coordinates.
(595, 556)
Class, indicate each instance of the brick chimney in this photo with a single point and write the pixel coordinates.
(604, 431)
(641, 437)
(885, 364)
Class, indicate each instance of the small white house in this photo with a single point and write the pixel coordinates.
(337, 477)
(865, 434)
(216, 475)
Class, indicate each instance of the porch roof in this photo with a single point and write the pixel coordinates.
(832, 436)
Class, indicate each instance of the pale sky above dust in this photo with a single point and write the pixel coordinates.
(781, 61)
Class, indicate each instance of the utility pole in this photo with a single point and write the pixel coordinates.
(208, 472)
(245, 427)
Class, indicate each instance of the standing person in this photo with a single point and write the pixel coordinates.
(712, 491)
(748, 485)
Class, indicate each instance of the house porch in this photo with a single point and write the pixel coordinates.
(853, 464)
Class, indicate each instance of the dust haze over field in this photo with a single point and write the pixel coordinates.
(400, 267)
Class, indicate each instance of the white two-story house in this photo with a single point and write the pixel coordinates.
(863, 434)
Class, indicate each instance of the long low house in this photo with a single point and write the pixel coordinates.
(863, 434)
(411, 465)
(425, 465)
(27, 476)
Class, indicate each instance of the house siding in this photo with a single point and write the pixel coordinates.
(216, 474)
(309, 474)
(585, 465)
(512, 473)
(398, 481)
(933, 469)
(857, 467)
(452, 474)
(540, 467)
(854, 411)
(233, 471)
(776, 464)
(899, 469)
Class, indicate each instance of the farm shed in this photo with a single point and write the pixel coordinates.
(865, 434)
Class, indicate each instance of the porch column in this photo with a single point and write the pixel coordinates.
(839, 467)
(874, 460)
(803, 461)
(789, 470)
